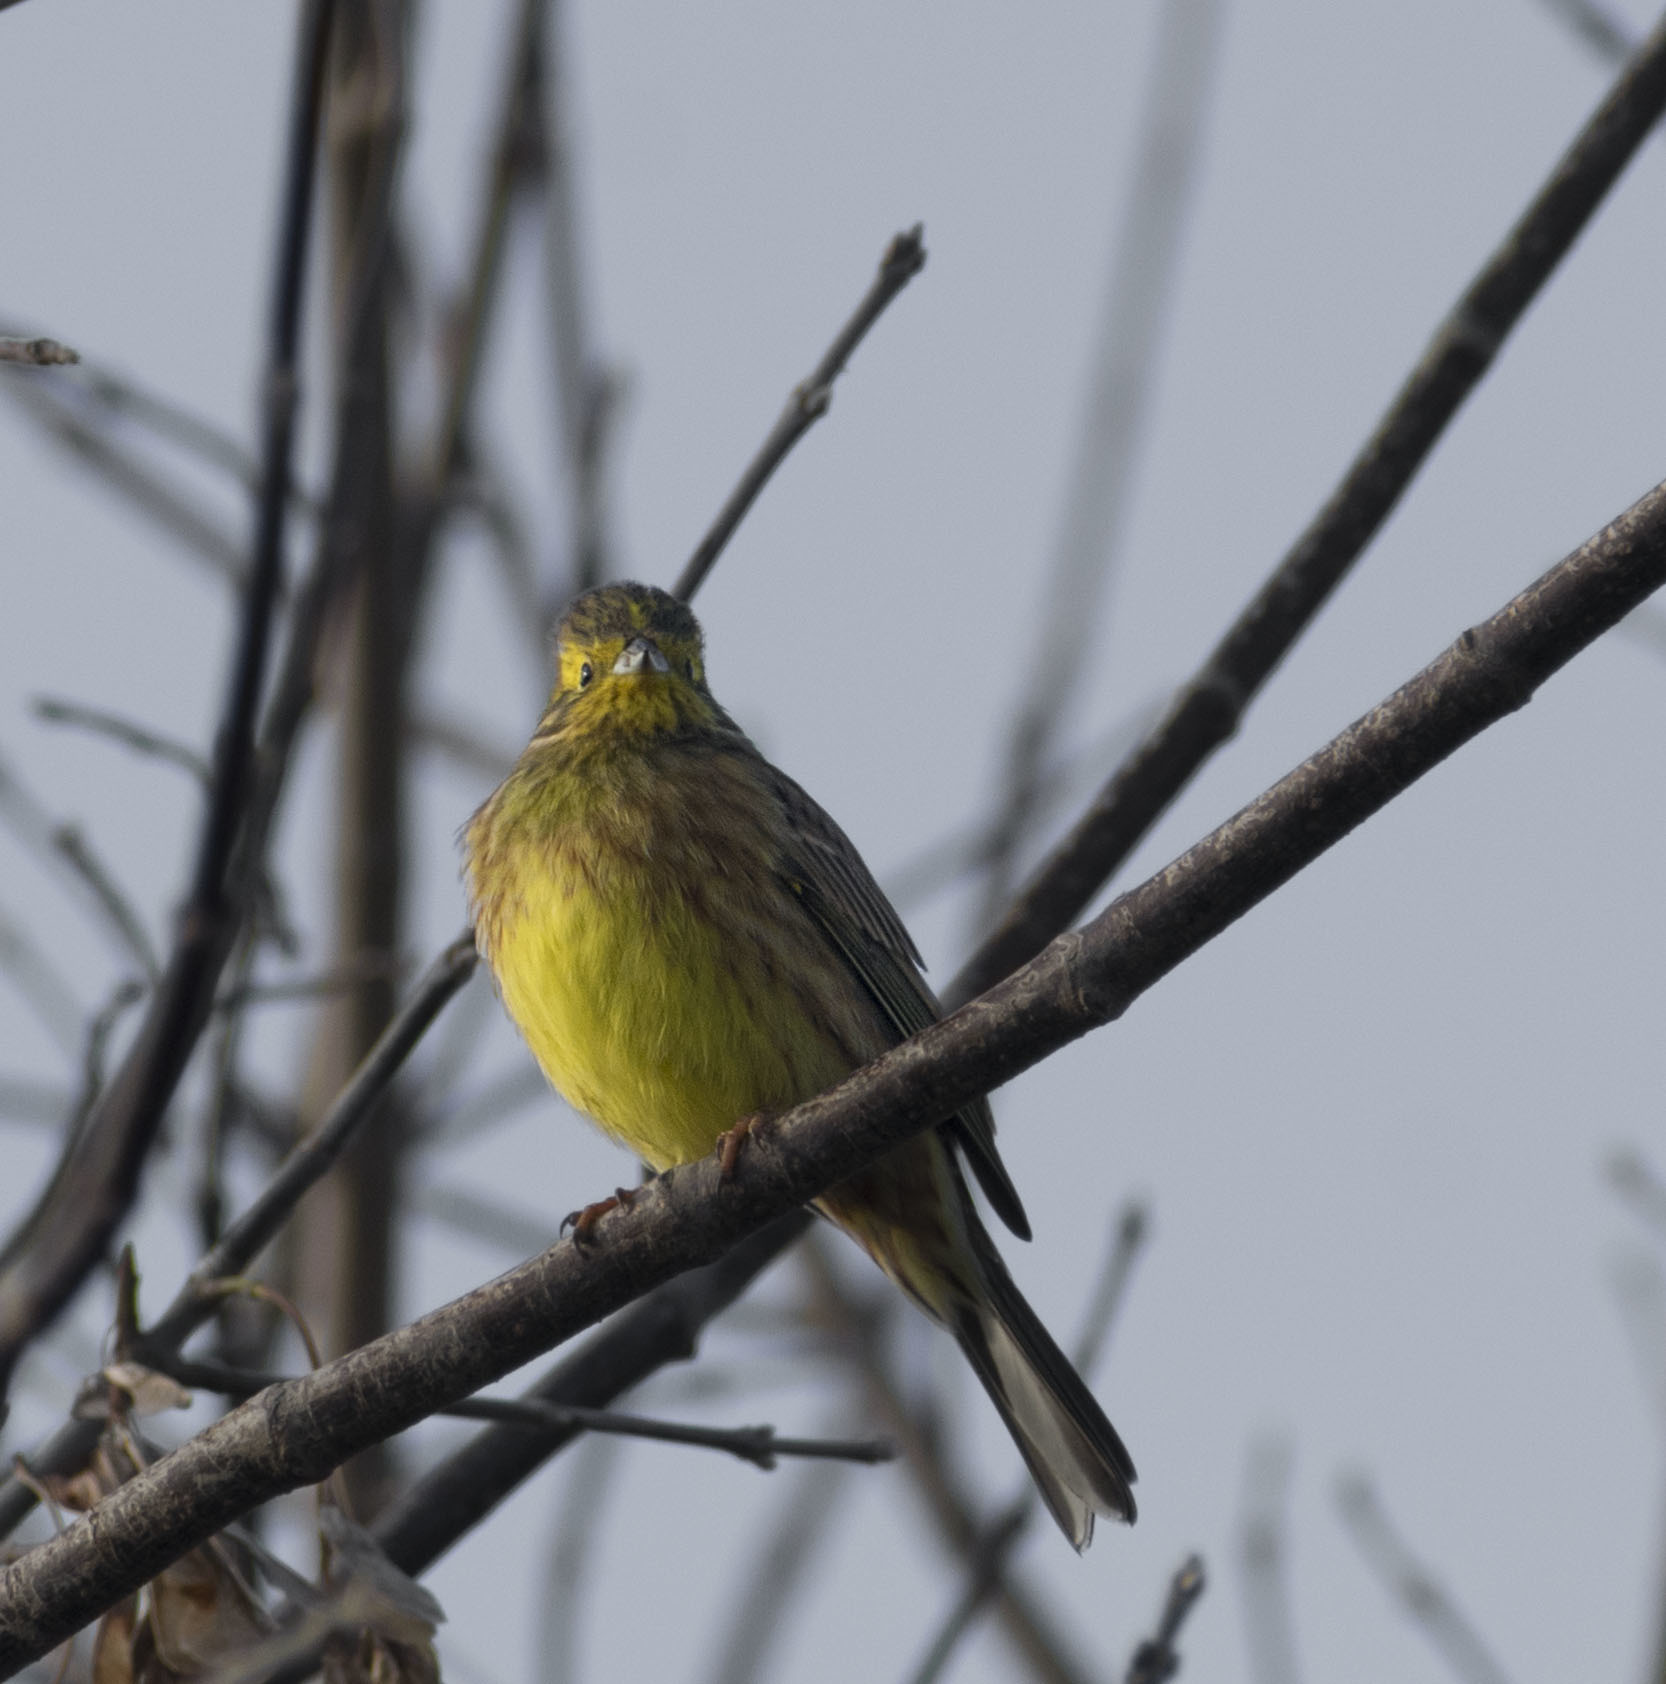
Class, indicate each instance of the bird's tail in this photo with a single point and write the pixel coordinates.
(1073, 1452)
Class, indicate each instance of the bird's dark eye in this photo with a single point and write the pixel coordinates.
(690, 666)
(585, 674)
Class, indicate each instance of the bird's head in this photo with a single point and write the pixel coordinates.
(629, 658)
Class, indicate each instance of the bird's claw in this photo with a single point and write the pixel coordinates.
(730, 1142)
(583, 1222)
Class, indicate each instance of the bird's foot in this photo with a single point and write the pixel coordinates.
(730, 1142)
(583, 1222)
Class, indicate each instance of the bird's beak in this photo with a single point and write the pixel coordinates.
(641, 655)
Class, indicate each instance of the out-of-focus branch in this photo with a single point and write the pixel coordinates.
(1268, 1626)
(1206, 712)
(1598, 27)
(36, 353)
(1637, 1181)
(586, 394)
(1157, 1660)
(768, 1588)
(904, 258)
(294, 1434)
(70, 1226)
(1143, 283)
(55, 710)
(1042, 1649)
(573, 1551)
(62, 847)
(41, 984)
(1413, 1586)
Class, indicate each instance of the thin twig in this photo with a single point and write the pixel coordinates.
(904, 258)
(1157, 1660)
(1143, 284)
(760, 1446)
(1413, 1586)
(55, 710)
(1207, 710)
(292, 1435)
(119, 912)
(1269, 1630)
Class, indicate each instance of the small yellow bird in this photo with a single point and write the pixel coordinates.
(687, 941)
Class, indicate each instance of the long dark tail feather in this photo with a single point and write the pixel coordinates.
(1073, 1452)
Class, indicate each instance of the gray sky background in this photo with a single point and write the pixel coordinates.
(1372, 1119)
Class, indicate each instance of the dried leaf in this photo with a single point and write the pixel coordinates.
(113, 1647)
(199, 1613)
(128, 1388)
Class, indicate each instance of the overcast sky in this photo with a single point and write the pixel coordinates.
(1371, 1120)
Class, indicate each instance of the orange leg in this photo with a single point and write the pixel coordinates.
(583, 1222)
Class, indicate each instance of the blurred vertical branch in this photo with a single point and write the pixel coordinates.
(1143, 282)
(1271, 1638)
(343, 1238)
(586, 394)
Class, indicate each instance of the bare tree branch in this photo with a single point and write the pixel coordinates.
(1207, 710)
(1414, 1586)
(904, 258)
(294, 1434)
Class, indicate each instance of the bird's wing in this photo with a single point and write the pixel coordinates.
(836, 888)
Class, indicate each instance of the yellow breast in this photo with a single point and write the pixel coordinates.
(658, 964)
